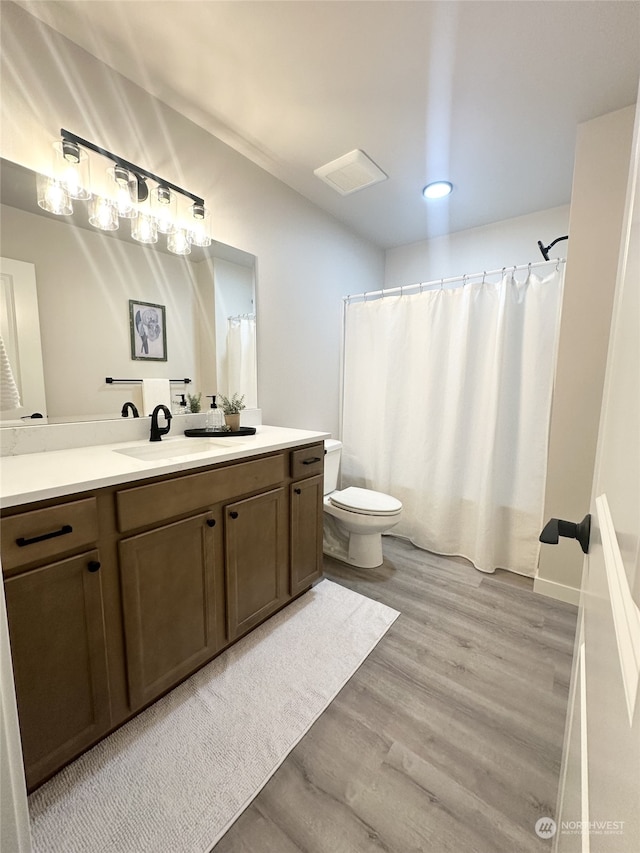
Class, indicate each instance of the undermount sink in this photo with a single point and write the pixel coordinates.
(172, 448)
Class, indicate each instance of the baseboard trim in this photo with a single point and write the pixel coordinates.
(559, 591)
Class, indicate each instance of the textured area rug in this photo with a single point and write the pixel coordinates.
(175, 778)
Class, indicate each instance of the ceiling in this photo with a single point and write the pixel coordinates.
(485, 94)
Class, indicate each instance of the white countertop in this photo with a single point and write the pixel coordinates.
(34, 477)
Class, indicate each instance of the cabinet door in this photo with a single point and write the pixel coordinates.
(306, 533)
(57, 634)
(255, 559)
(169, 598)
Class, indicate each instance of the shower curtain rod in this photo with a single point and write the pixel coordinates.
(442, 281)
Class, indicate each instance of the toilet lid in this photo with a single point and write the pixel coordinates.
(365, 501)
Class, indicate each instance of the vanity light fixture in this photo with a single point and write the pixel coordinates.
(437, 189)
(128, 196)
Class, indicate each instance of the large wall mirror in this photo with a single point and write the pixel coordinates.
(85, 281)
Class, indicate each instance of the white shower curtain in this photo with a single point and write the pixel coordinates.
(241, 358)
(447, 398)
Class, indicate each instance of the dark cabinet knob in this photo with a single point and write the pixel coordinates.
(298, 491)
(233, 514)
(211, 522)
(93, 565)
(556, 527)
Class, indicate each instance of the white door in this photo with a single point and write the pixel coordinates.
(599, 801)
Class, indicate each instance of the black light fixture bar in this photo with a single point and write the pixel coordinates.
(131, 167)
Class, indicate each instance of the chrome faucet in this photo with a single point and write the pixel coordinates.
(130, 407)
(156, 431)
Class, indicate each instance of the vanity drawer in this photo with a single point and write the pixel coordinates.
(308, 461)
(143, 506)
(48, 533)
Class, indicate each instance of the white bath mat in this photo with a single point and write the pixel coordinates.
(176, 777)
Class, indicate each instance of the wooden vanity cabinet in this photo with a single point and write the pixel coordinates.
(57, 634)
(255, 559)
(169, 593)
(306, 496)
(116, 596)
(306, 533)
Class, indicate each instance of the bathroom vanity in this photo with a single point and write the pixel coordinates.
(125, 575)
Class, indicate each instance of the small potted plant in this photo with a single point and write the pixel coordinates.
(232, 408)
(193, 402)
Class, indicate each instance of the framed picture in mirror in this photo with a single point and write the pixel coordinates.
(147, 323)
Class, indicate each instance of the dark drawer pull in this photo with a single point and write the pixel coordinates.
(298, 491)
(21, 541)
(93, 565)
(233, 514)
(211, 522)
(312, 460)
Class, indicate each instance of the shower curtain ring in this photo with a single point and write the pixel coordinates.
(484, 275)
(441, 284)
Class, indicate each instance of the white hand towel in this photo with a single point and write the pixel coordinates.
(9, 394)
(154, 393)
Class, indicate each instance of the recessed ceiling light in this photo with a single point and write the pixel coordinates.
(438, 189)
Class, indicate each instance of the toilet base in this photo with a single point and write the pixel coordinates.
(363, 551)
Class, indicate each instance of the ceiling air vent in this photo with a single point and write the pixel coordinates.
(350, 173)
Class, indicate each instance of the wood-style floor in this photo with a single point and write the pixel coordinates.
(448, 737)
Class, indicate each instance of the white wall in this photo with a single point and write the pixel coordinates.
(306, 259)
(506, 243)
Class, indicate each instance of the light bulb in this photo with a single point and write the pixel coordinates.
(53, 196)
(103, 214)
(200, 225)
(437, 189)
(144, 228)
(178, 242)
(71, 168)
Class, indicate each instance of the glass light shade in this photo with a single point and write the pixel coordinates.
(71, 168)
(53, 196)
(200, 225)
(163, 206)
(121, 181)
(144, 228)
(103, 213)
(179, 242)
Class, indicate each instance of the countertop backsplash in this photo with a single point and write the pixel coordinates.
(17, 440)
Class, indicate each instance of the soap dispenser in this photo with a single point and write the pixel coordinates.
(215, 416)
(180, 406)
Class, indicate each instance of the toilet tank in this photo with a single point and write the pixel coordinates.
(333, 450)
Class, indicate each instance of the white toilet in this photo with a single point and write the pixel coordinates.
(354, 519)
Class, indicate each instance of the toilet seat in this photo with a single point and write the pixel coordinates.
(365, 501)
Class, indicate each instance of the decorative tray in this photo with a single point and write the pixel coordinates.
(219, 433)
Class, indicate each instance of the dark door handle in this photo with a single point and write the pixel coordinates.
(66, 528)
(211, 522)
(93, 565)
(312, 460)
(298, 491)
(233, 514)
(556, 527)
